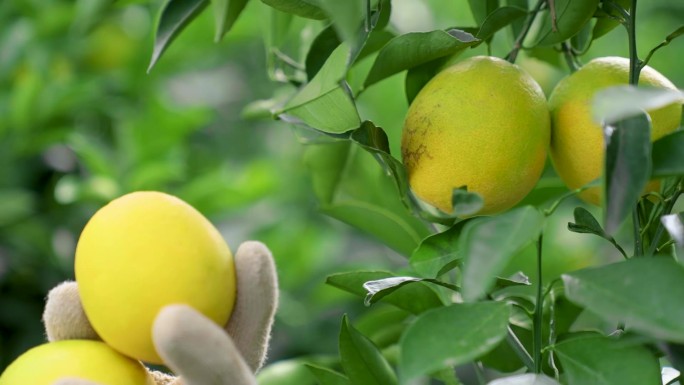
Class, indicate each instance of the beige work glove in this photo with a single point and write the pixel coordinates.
(191, 345)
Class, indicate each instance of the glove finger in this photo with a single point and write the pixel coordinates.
(197, 349)
(64, 317)
(73, 381)
(256, 302)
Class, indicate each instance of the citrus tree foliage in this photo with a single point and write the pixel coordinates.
(475, 294)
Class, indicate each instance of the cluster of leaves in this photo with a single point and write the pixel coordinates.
(458, 309)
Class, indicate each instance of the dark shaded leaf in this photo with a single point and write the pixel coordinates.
(174, 17)
(417, 77)
(499, 19)
(644, 293)
(627, 167)
(585, 223)
(517, 279)
(668, 155)
(482, 8)
(571, 16)
(361, 359)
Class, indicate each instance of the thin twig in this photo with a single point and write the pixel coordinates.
(517, 46)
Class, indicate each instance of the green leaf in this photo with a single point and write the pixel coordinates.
(499, 19)
(416, 48)
(326, 376)
(324, 103)
(613, 104)
(352, 187)
(643, 293)
(417, 77)
(415, 298)
(677, 33)
(380, 288)
(525, 379)
(608, 18)
(585, 223)
(226, 12)
(174, 17)
(450, 336)
(517, 279)
(674, 224)
(627, 167)
(304, 8)
(347, 16)
(490, 243)
(437, 250)
(321, 48)
(286, 372)
(465, 203)
(571, 16)
(482, 8)
(361, 359)
(600, 360)
(668, 155)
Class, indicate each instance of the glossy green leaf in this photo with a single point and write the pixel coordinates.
(571, 16)
(499, 19)
(608, 18)
(226, 13)
(627, 167)
(674, 224)
(517, 279)
(668, 155)
(482, 8)
(613, 104)
(646, 294)
(326, 376)
(490, 243)
(417, 77)
(381, 288)
(599, 360)
(416, 48)
(304, 8)
(437, 250)
(353, 187)
(324, 103)
(450, 336)
(415, 298)
(174, 17)
(525, 379)
(361, 359)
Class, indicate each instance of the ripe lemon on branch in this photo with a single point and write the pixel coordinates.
(482, 123)
(577, 145)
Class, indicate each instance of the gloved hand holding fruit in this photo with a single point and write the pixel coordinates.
(155, 283)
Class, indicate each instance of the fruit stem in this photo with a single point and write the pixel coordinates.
(569, 55)
(538, 311)
(517, 46)
(634, 63)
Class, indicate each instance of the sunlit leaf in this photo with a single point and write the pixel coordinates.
(416, 48)
(490, 243)
(571, 16)
(226, 12)
(380, 288)
(174, 17)
(525, 379)
(415, 298)
(599, 360)
(627, 167)
(450, 336)
(361, 359)
(303, 8)
(643, 293)
(613, 104)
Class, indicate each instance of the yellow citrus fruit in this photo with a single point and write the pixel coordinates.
(481, 123)
(577, 145)
(141, 252)
(82, 359)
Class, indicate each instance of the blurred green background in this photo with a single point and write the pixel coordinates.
(81, 123)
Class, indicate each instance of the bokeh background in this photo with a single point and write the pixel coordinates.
(81, 122)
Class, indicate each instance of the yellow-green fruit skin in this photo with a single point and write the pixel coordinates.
(141, 252)
(577, 144)
(87, 360)
(481, 123)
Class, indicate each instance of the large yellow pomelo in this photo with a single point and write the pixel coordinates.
(577, 145)
(141, 252)
(481, 123)
(82, 359)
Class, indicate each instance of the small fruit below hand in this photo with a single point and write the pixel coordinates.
(82, 359)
